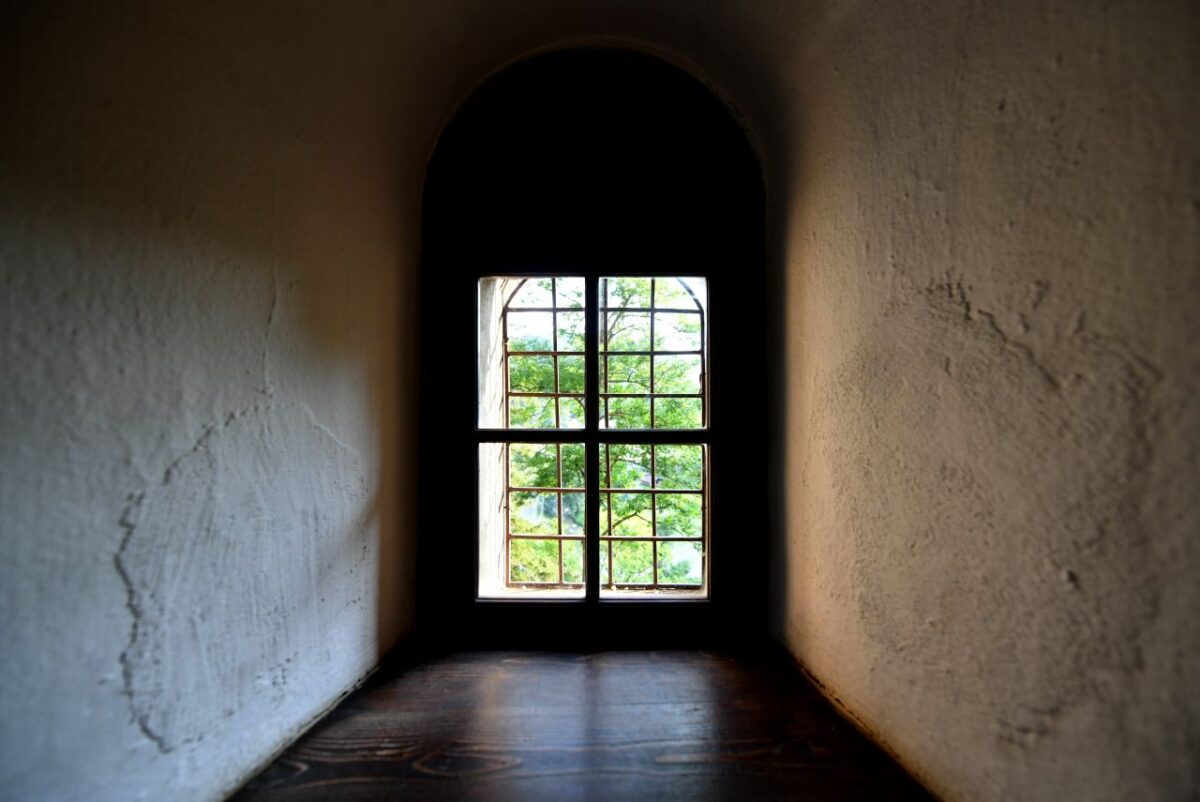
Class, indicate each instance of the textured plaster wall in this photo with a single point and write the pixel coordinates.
(983, 222)
(206, 260)
(209, 234)
(992, 272)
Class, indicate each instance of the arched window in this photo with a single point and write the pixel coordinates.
(534, 513)
(592, 449)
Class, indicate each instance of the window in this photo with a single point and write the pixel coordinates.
(592, 453)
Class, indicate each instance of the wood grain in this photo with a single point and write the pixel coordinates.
(604, 726)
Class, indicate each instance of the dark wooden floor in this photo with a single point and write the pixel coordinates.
(609, 726)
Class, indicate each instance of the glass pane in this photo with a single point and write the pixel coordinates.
(628, 413)
(572, 467)
(534, 292)
(678, 413)
(633, 563)
(532, 513)
(679, 467)
(573, 517)
(533, 561)
(676, 332)
(531, 374)
(626, 331)
(533, 465)
(628, 374)
(676, 374)
(679, 515)
(531, 413)
(570, 374)
(630, 515)
(571, 292)
(673, 293)
(628, 292)
(570, 331)
(571, 411)
(530, 331)
(572, 561)
(605, 578)
(624, 467)
(680, 563)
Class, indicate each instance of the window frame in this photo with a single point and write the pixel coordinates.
(592, 435)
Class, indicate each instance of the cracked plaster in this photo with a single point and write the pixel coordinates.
(992, 267)
(201, 319)
(299, 501)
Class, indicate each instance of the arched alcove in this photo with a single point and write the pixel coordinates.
(593, 162)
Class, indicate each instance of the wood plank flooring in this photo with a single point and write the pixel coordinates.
(680, 725)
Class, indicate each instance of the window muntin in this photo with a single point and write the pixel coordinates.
(650, 528)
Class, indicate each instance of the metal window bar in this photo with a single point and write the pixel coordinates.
(558, 505)
(639, 352)
(653, 317)
(545, 394)
(604, 352)
(653, 498)
(644, 309)
(618, 490)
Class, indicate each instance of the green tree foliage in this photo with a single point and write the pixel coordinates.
(537, 561)
(533, 331)
(626, 329)
(622, 467)
(537, 465)
(625, 374)
(630, 467)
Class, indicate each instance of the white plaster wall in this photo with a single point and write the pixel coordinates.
(207, 255)
(210, 232)
(985, 222)
(992, 273)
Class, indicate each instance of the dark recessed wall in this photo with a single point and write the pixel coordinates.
(595, 161)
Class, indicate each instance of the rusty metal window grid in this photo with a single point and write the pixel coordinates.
(558, 538)
(554, 353)
(607, 540)
(652, 312)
